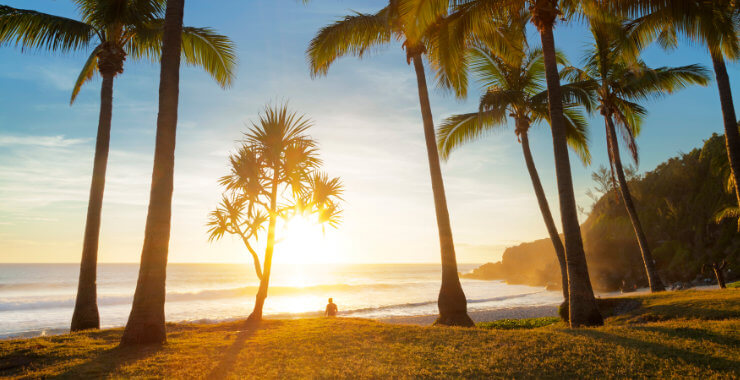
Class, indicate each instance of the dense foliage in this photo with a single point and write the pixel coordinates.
(678, 203)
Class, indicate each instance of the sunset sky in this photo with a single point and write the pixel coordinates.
(367, 122)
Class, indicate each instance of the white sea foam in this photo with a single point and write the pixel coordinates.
(38, 299)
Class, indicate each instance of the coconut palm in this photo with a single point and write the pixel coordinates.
(621, 83)
(516, 89)
(111, 31)
(355, 35)
(273, 176)
(482, 18)
(713, 24)
(145, 323)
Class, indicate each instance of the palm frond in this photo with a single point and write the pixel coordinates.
(354, 35)
(730, 212)
(576, 131)
(201, 47)
(88, 71)
(458, 130)
(40, 31)
(645, 83)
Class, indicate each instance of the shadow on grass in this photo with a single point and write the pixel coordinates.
(694, 334)
(663, 351)
(109, 361)
(228, 360)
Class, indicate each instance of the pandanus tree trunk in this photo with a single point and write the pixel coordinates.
(259, 302)
(146, 322)
(552, 230)
(453, 307)
(656, 285)
(86, 314)
(583, 310)
(732, 136)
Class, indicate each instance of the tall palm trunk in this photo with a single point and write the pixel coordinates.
(86, 314)
(544, 207)
(259, 303)
(582, 306)
(453, 306)
(732, 136)
(146, 321)
(647, 257)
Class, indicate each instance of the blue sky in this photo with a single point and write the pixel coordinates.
(367, 122)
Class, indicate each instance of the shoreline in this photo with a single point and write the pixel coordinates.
(483, 315)
(478, 316)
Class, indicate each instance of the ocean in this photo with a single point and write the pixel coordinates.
(38, 299)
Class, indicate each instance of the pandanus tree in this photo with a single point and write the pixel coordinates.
(273, 177)
(515, 88)
(482, 17)
(622, 82)
(111, 31)
(711, 23)
(359, 33)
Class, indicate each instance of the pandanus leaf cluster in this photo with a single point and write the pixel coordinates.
(274, 174)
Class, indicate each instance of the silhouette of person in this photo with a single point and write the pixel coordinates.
(331, 309)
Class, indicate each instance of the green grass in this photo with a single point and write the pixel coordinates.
(687, 334)
(519, 324)
(734, 285)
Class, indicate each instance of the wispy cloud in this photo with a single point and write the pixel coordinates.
(42, 141)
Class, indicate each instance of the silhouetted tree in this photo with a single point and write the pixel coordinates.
(117, 30)
(274, 176)
(514, 88)
(355, 35)
(621, 83)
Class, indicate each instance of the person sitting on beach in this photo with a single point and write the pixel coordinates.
(331, 309)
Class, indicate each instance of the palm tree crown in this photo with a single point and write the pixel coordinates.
(515, 90)
(115, 31)
(621, 82)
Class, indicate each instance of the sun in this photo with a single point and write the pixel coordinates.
(305, 242)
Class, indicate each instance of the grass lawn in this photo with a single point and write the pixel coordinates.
(686, 334)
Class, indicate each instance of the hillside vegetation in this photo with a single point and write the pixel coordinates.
(688, 334)
(677, 203)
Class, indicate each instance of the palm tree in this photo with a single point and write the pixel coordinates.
(146, 322)
(620, 85)
(713, 24)
(355, 35)
(481, 18)
(117, 30)
(273, 176)
(515, 88)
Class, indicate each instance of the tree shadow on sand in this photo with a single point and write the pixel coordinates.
(730, 367)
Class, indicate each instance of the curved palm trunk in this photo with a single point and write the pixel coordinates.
(582, 306)
(86, 314)
(656, 285)
(453, 307)
(259, 303)
(146, 322)
(732, 136)
(552, 230)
